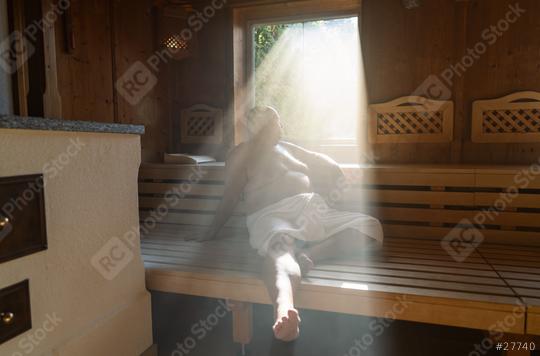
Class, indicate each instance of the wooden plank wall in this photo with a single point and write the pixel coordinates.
(134, 36)
(110, 36)
(511, 64)
(84, 77)
(206, 78)
(5, 86)
(401, 47)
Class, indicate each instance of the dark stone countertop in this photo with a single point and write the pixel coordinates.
(37, 123)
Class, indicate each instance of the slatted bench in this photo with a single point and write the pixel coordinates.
(420, 275)
(520, 269)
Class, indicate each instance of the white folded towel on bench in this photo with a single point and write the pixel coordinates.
(304, 217)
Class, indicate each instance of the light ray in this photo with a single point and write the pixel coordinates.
(311, 75)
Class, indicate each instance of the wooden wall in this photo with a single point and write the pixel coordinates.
(402, 48)
(85, 77)
(206, 78)
(110, 37)
(5, 79)
(134, 35)
(511, 64)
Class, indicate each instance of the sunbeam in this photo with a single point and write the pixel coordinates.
(311, 76)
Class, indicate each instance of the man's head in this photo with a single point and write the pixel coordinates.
(264, 124)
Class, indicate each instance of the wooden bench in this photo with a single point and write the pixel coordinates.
(423, 274)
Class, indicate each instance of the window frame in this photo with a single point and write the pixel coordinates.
(244, 20)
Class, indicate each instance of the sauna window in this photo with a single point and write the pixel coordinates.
(310, 72)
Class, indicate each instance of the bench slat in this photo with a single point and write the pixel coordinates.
(203, 205)
(194, 219)
(533, 322)
(456, 216)
(211, 190)
(455, 270)
(411, 179)
(421, 274)
(505, 181)
(396, 196)
(519, 266)
(189, 173)
(523, 200)
(411, 282)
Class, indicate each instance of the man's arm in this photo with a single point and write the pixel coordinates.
(325, 174)
(235, 181)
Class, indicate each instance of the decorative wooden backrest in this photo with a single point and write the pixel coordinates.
(513, 118)
(202, 124)
(412, 119)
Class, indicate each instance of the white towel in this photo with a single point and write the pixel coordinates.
(305, 217)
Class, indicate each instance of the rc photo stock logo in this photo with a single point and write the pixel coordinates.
(433, 87)
(112, 258)
(462, 240)
(136, 83)
(15, 46)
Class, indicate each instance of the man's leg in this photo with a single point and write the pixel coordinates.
(347, 243)
(281, 274)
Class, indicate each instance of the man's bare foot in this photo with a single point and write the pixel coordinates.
(305, 263)
(287, 324)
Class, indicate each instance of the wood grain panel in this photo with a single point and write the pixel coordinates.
(400, 54)
(380, 177)
(202, 205)
(192, 219)
(519, 266)
(508, 66)
(209, 190)
(408, 197)
(85, 77)
(521, 201)
(189, 173)
(527, 179)
(133, 41)
(533, 323)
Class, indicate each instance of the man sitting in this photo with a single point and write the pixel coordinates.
(290, 223)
